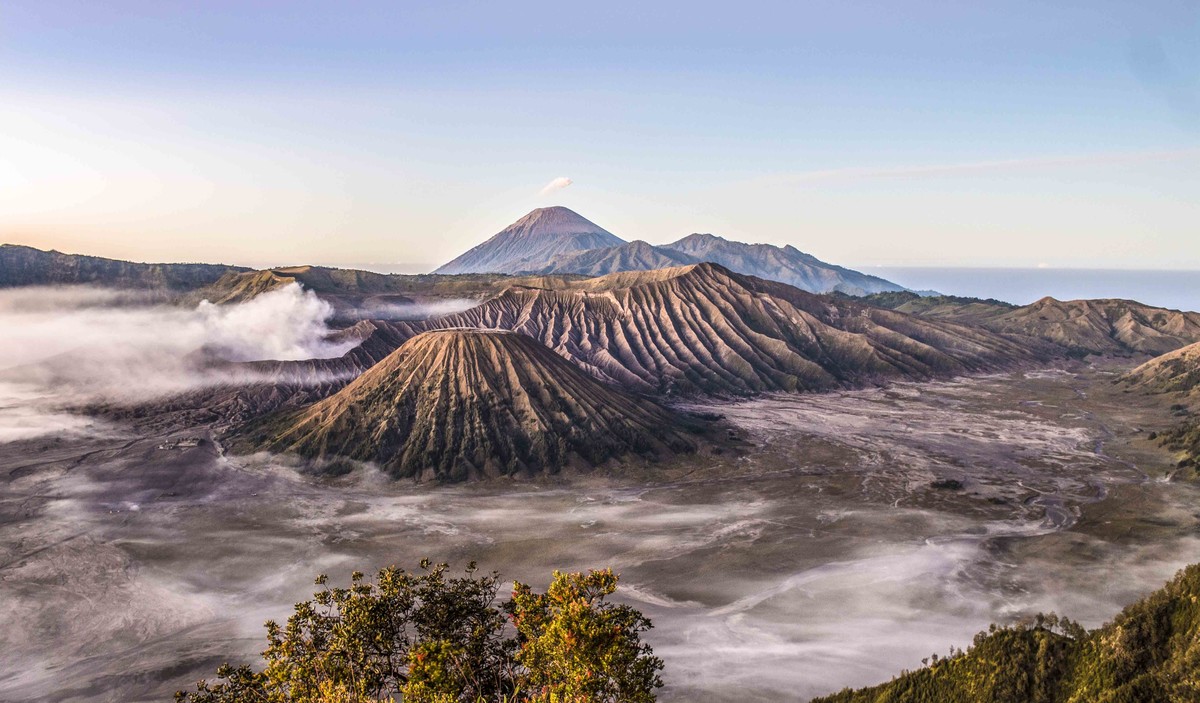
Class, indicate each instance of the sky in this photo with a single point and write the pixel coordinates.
(922, 133)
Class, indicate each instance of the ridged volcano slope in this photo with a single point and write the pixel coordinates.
(459, 404)
(1101, 326)
(634, 256)
(704, 329)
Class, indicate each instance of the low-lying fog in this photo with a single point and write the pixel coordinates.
(131, 565)
(68, 346)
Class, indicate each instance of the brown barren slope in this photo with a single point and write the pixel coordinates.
(459, 404)
(1100, 326)
(704, 329)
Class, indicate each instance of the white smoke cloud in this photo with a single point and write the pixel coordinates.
(67, 346)
(372, 310)
(287, 324)
(555, 185)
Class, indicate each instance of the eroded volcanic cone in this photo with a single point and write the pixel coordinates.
(457, 404)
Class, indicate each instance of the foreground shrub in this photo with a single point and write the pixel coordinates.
(427, 637)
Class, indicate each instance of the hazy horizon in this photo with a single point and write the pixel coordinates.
(1165, 287)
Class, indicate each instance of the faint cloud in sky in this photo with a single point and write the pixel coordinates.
(555, 185)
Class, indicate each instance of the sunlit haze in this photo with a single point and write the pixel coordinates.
(921, 134)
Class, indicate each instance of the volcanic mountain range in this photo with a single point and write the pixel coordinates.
(556, 240)
(555, 368)
(702, 329)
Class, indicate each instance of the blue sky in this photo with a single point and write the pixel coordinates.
(920, 133)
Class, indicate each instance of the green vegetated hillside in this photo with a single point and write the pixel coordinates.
(1150, 653)
(959, 307)
(1185, 439)
(1174, 372)
(1175, 375)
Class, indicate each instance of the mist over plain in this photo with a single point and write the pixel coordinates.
(67, 346)
(825, 558)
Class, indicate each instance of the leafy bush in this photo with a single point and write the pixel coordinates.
(426, 637)
(1184, 438)
(574, 646)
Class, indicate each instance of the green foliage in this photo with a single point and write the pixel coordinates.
(1149, 654)
(1184, 438)
(430, 638)
(892, 300)
(576, 647)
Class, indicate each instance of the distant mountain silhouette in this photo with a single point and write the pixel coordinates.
(784, 264)
(27, 266)
(555, 240)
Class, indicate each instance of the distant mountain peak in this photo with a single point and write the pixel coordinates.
(558, 240)
(530, 241)
(702, 237)
(556, 217)
(784, 264)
